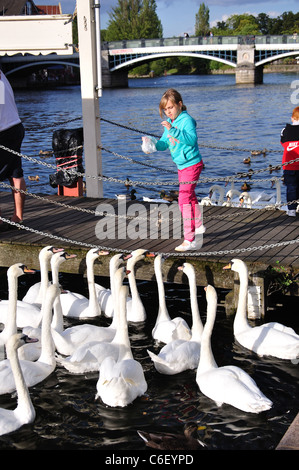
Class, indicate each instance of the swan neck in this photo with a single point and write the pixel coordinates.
(163, 314)
(24, 401)
(207, 360)
(241, 322)
(11, 325)
(93, 301)
(47, 349)
(197, 326)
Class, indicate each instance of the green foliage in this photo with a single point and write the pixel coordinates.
(281, 279)
(202, 21)
(134, 19)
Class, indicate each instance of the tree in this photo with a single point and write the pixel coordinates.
(202, 21)
(134, 19)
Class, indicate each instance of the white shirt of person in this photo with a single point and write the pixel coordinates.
(9, 115)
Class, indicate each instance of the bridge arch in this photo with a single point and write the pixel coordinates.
(151, 57)
(275, 57)
(43, 63)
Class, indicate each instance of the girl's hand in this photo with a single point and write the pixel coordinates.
(166, 124)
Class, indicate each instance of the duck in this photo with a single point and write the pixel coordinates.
(121, 381)
(87, 357)
(75, 305)
(180, 355)
(167, 329)
(130, 196)
(255, 153)
(169, 441)
(245, 187)
(33, 178)
(270, 339)
(13, 273)
(34, 372)
(247, 160)
(226, 384)
(105, 295)
(168, 197)
(135, 308)
(24, 413)
(35, 293)
(47, 153)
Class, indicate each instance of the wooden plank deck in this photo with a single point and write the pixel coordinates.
(227, 229)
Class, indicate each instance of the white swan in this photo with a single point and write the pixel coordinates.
(10, 326)
(88, 356)
(35, 372)
(105, 295)
(167, 329)
(230, 200)
(135, 308)
(76, 305)
(227, 384)
(31, 352)
(36, 292)
(24, 413)
(26, 314)
(180, 355)
(121, 381)
(245, 200)
(269, 339)
(68, 340)
(211, 200)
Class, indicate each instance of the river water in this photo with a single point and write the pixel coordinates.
(229, 117)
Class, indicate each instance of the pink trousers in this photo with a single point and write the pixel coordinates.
(189, 207)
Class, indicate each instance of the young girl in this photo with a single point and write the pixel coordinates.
(180, 137)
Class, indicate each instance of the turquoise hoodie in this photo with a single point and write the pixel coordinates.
(181, 140)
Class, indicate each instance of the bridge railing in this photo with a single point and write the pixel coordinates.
(201, 40)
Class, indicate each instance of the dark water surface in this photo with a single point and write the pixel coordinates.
(67, 415)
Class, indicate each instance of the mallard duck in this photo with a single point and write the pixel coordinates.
(46, 153)
(33, 178)
(130, 196)
(167, 441)
(245, 187)
(247, 160)
(167, 197)
(255, 153)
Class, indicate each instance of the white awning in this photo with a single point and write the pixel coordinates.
(38, 34)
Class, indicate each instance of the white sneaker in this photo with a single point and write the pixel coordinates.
(187, 246)
(291, 213)
(200, 230)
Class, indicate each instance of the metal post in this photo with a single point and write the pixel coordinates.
(90, 102)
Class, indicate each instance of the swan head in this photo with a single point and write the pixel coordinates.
(18, 270)
(211, 294)
(60, 257)
(94, 253)
(187, 269)
(48, 251)
(16, 341)
(236, 265)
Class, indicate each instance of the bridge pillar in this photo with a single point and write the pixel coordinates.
(246, 71)
(115, 79)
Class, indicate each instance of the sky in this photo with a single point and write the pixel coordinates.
(178, 16)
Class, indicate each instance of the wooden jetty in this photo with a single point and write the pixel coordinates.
(261, 238)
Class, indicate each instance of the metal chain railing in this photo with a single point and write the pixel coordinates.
(177, 254)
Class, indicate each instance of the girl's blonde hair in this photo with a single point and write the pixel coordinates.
(173, 96)
(295, 114)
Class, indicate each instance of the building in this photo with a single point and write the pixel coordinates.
(27, 7)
